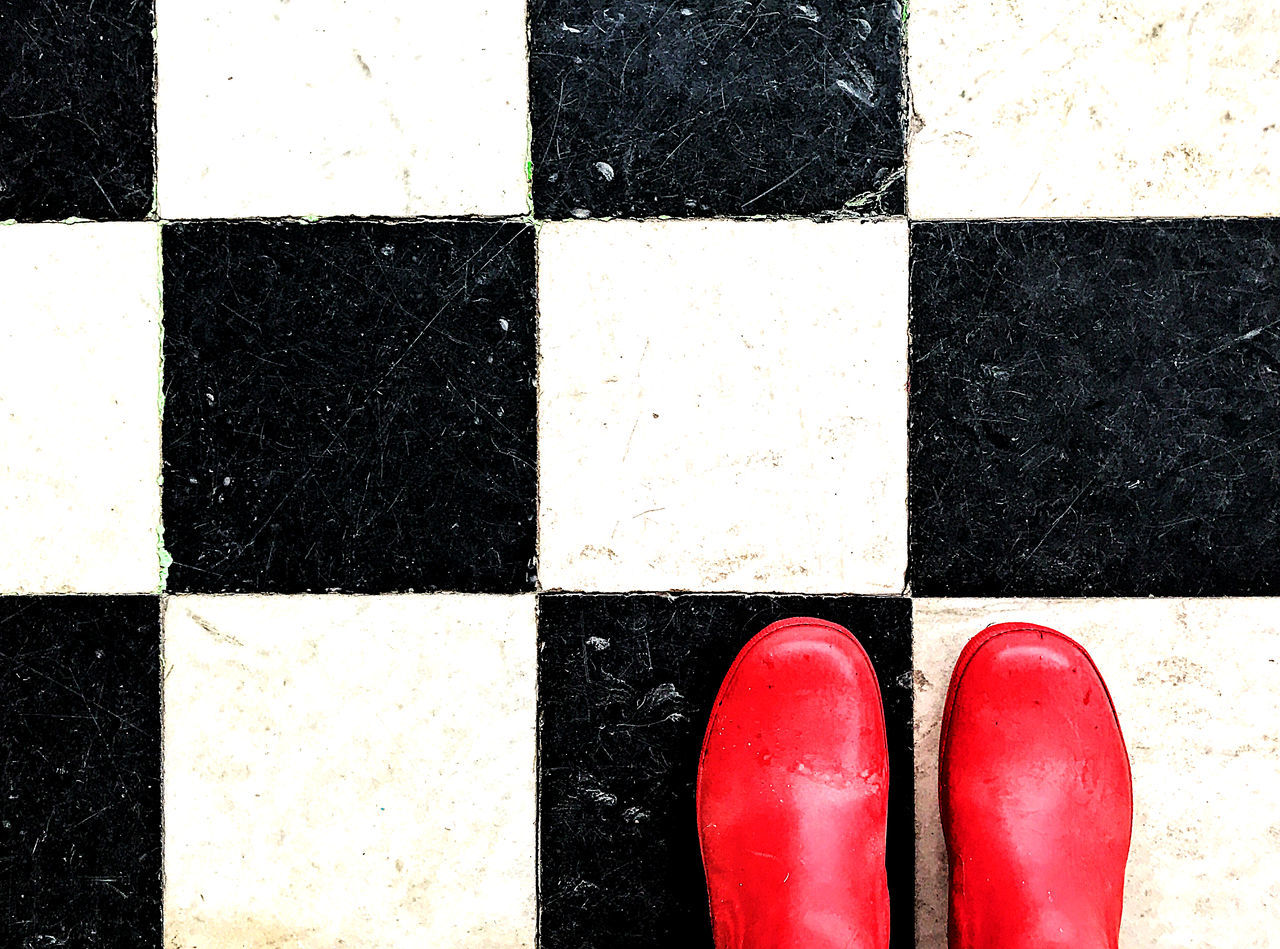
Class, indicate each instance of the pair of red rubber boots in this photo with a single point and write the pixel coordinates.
(1036, 795)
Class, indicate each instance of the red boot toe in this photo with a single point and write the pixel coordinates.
(1036, 795)
(793, 794)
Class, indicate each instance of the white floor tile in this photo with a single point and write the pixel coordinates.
(79, 408)
(350, 771)
(723, 406)
(1196, 684)
(1067, 108)
(341, 107)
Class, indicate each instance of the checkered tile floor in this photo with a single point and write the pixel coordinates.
(421, 403)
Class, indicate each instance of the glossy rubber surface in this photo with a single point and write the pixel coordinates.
(1036, 795)
(793, 794)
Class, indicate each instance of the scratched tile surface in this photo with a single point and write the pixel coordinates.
(716, 107)
(329, 781)
(76, 110)
(1095, 408)
(79, 436)
(341, 107)
(80, 740)
(1071, 108)
(339, 344)
(625, 686)
(723, 406)
(349, 407)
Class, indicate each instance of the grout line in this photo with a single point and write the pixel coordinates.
(1172, 220)
(537, 772)
(154, 213)
(163, 559)
(528, 112)
(537, 408)
(824, 217)
(908, 106)
(317, 594)
(164, 880)
(71, 594)
(165, 596)
(672, 594)
(907, 572)
(356, 219)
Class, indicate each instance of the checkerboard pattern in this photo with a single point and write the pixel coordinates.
(408, 409)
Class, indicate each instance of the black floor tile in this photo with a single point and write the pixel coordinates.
(349, 406)
(1095, 408)
(80, 739)
(76, 110)
(716, 107)
(625, 686)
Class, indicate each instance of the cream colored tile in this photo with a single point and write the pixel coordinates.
(723, 406)
(79, 408)
(1065, 108)
(349, 771)
(1196, 683)
(347, 107)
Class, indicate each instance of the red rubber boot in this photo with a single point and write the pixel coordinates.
(793, 794)
(1036, 794)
